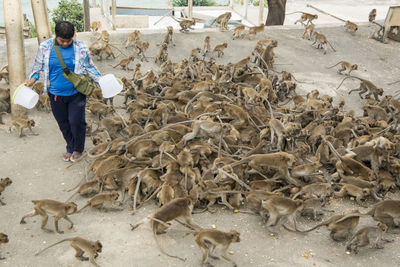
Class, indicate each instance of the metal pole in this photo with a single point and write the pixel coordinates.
(190, 6)
(246, 8)
(40, 15)
(86, 10)
(15, 49)
(114, 13)
(261, 14)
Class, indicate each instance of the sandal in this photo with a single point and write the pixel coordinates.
(74, 157)
(67, 156)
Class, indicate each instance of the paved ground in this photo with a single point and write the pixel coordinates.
(37, 171)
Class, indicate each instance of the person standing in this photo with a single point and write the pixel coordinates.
(67, 104)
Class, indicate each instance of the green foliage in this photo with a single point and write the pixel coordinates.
(70, 10)
(32, 29)
(257, 3)
(195, 3)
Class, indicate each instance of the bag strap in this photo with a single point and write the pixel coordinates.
(60, 59)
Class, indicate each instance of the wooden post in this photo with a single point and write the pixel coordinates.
(86, 19)
(41, 18)
(94, 3)
(231, 3)
(15, 49)
(261, 14)
(169, 3)
(246, 8)
(114, 13)
(190, 6)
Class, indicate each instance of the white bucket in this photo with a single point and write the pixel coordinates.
(110, 86)
(25, 96)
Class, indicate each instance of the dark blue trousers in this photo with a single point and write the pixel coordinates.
(69, 112)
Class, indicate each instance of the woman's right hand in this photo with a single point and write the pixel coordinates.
(30, 82)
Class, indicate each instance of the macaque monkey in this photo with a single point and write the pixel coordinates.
(20, 124)
(194, 53)
(168, 37)
(322, 42)
(281, 207)
(81, 246)
(352, 166)
(100, 199)
(387, 212)
(100, 109)
(209, 239)
(317, 190)
(238, 32)
(351, 26)
(207, 45)
(162, 56)
(56, 208)
(308, 31)
(132, 38)
(276, 127)
(185, 24)
(223, 20)
(278, 160)
(95, 26)
(305, 17)
(98, 47)
(355, 191)
(3, 240)
(256, 29)
(124, 63)
(314, 207)
(140, 48)
(344, 65)
(219, 49)
(367, 235)
(341, 226)
(179, 207)
(365, 86)
(372, 15)
(4, 182)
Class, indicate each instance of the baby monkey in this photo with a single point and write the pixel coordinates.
(56, 208)
(344, 65)
(209, 239)
(372, 15)
(368, 235)
(81, 246)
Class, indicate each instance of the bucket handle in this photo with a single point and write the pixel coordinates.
(16, 92)
(120, 82)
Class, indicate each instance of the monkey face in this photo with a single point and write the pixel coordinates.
(97, 246)
(115, 195)
(71, 207)
(6, 181)
(235, 236)
(31, 123)
(3, 238)
(366, 192)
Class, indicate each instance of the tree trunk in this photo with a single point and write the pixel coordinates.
(276, 12)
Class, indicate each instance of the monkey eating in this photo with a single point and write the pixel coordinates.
(100, 199)
(209, 239)
(56, 208)
(81, 246)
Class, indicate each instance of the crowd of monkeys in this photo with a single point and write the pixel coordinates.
(200, 133)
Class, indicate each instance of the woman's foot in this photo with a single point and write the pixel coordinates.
(67, 156)
(75, 156)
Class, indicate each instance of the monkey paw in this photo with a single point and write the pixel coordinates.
(48, 230)
(214, 257)
(81, 258)
(60, 232)
(22, 222)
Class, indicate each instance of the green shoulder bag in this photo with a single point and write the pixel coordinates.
(83, 83)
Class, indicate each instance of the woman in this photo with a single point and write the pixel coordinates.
(67, 104)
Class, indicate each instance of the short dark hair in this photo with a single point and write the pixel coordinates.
(65, 29)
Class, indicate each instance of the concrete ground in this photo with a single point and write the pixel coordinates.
(35, 166)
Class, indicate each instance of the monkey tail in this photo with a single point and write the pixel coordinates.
(84, 207)
(117, 49)
(162, 250)
(343, 81)
(294, 12)
(71, 196)
(331, 46)
(92, 156)
(334, 65)
(313, 228)
(334, 151)
(66, 239)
